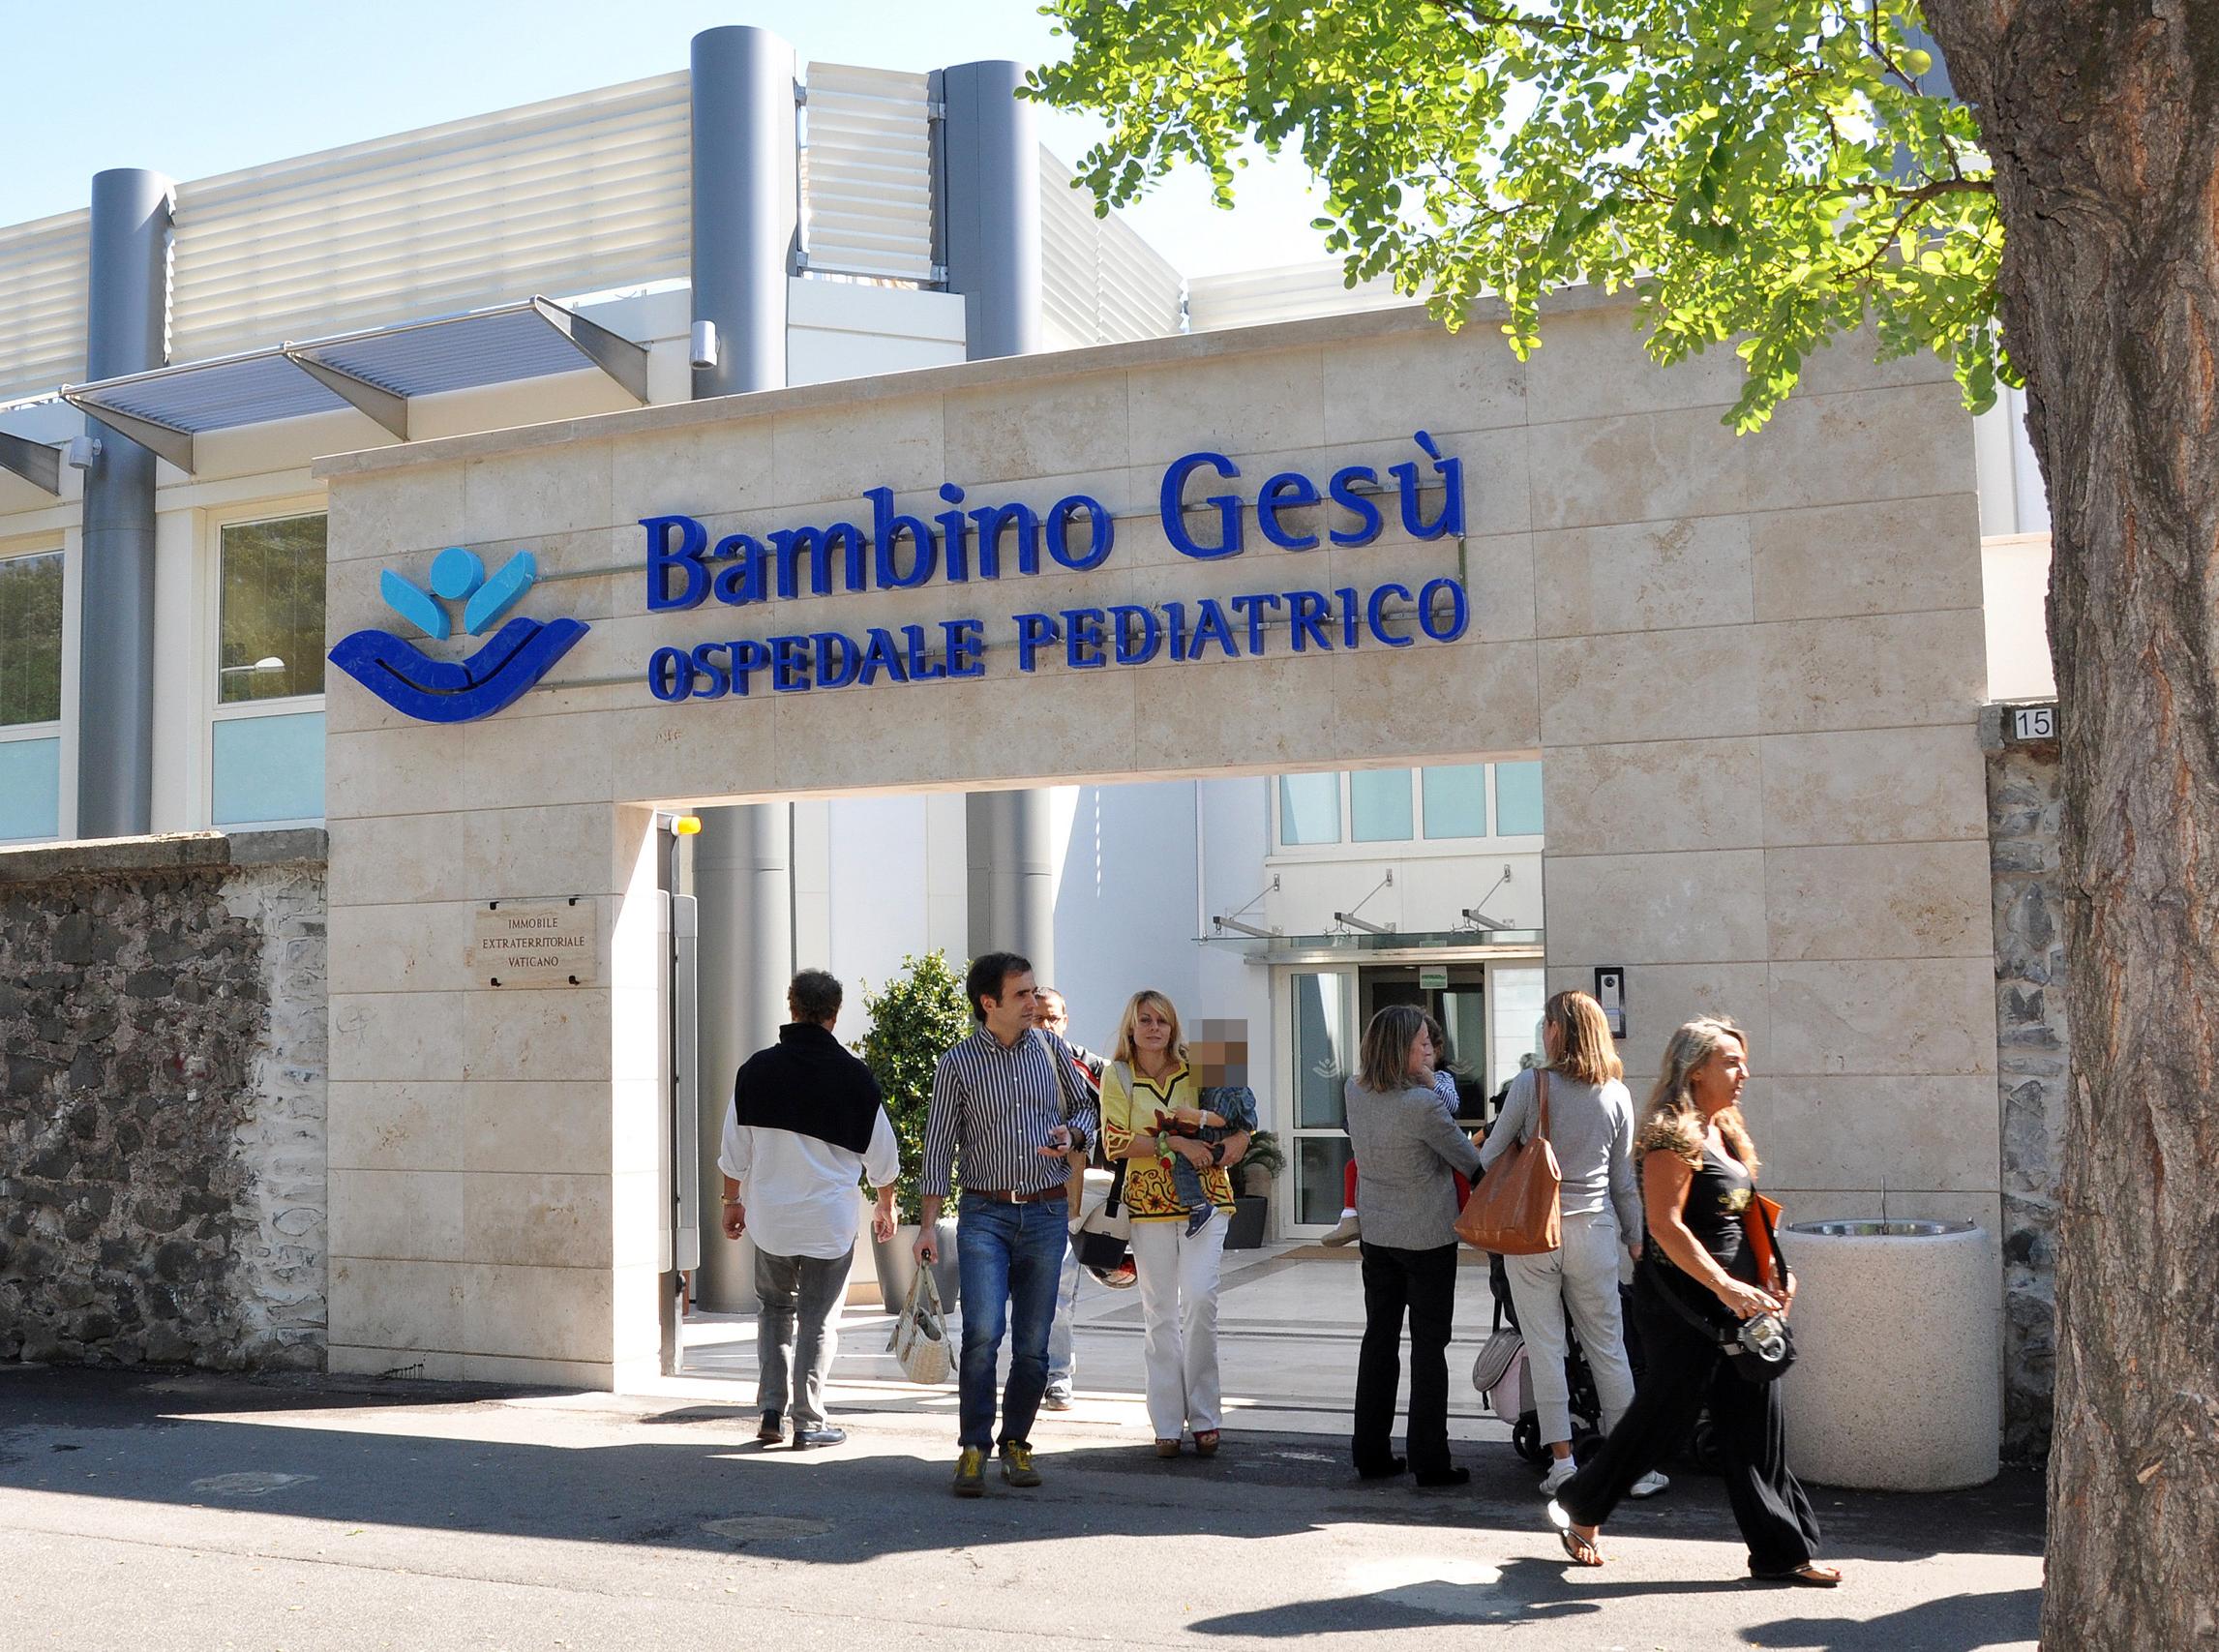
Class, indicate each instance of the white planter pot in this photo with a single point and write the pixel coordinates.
(1897, 1382)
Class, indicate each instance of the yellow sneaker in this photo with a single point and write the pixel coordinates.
(971, 1473)
(1017, 1465)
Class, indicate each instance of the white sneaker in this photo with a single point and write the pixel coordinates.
(1648, 1486)
(1559, 1471)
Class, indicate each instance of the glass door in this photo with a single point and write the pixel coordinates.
(1320, 1018)
(1453, 995)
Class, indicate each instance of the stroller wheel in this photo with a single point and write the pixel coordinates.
(1526, 1439)
(1585, 1443)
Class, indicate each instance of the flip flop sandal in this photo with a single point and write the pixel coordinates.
(1206, 1442)
(1580, 1551)
(1167, 1448)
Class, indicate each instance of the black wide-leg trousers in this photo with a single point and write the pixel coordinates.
(1685, 1371)
(1421, 1283)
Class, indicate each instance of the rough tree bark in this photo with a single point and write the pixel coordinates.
(2103, 120)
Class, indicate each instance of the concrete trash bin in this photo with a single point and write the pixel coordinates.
(1897, 1382)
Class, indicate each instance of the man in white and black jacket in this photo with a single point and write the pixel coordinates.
(806, 1124)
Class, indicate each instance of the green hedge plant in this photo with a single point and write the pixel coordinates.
(915, 1019)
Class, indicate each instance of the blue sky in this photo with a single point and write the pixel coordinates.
(191, 90)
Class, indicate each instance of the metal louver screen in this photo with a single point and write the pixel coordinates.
(42, 267)
(1099, 281)
(563, 198)
(1289, 292)
(866, 173)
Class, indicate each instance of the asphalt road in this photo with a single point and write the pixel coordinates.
(157, 1512)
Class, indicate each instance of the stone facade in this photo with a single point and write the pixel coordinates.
(161, 1116)
(1751, 667)
(2024, 798)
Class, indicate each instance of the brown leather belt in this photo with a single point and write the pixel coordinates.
(1004, 1196)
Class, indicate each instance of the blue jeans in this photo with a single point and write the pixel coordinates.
(1010, 1256)
(1062, 1363)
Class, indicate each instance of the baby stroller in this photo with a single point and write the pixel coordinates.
(1503, 1376)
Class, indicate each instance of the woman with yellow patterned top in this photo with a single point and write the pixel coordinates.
(1175, 1140)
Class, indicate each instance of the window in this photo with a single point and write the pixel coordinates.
(30, 696)
(1379, 805)
(1309, 809)
(1442, 806)
(266, 746)
(1517, 800)
(1456, 801)
(271, 641)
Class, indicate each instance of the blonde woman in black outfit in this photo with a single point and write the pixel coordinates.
(1697, 1170)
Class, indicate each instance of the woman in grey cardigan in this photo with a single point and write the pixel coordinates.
(1410, 1150)
(1591, 1127)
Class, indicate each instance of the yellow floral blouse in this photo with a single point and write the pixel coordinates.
(1150, 1192)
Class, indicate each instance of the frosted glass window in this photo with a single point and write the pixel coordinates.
(269, 768)
(1324, 1007)
(30, 789)
(1309, 809)
(1517, 800)
(270, 643)
(31, 638)
(1456, 801)
(1515, 999)
(1379, 806)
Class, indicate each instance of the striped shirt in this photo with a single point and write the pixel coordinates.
(999, 1104)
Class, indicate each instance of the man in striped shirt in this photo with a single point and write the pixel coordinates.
(1010, 1103)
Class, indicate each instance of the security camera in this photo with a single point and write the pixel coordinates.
(82, 451)
(705, 346)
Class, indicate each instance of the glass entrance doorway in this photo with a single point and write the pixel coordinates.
(1490, 1010)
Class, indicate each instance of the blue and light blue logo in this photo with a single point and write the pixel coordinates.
(477, 685)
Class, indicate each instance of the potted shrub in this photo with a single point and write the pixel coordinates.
(914, 1018)
(1259, 1169)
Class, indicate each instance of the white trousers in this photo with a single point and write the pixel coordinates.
(1581, 1276)
(1179, 1304)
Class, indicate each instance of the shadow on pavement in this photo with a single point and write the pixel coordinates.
(1537, 1592)
(446, 1457)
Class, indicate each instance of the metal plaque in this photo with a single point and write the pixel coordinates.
(537, 943)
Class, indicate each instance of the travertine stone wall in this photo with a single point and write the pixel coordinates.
(162, 1124)
(2033, 1046)
(1753, 666)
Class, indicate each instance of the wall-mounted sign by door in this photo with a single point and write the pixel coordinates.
(537, 943)
(1610, 993)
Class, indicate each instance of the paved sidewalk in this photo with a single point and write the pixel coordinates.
(161, 1512)
(1290, 1319)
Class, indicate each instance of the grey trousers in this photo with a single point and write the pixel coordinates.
(797, 1326)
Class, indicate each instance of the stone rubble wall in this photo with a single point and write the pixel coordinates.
(2025, 799)
(161, 1101)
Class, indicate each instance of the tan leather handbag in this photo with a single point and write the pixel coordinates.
(1514, 1211)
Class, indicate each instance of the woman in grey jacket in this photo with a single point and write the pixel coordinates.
(1591, 1127)
(1410, 1150)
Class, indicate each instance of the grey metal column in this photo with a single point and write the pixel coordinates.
(746, 213)
(990, 207)
(745, 225)
(127, 330)
(990, 238)
(1012, 877)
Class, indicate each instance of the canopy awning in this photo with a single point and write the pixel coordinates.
(376, 372)
(38, 463)
(1449, 945)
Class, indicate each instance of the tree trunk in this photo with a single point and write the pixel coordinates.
(2103, 120)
